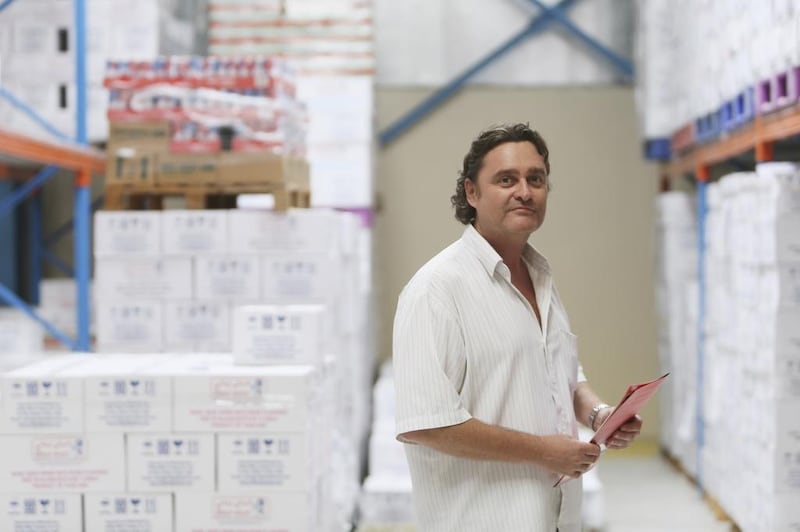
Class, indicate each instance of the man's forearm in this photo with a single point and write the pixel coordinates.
(480, 441)
(476, 440)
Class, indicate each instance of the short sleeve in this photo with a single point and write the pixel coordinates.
(581, 374)
(428, 364)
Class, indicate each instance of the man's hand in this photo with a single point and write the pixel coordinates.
(626, 433)
(567, 456)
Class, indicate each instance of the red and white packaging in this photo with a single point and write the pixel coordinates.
(67, 463)
(213, 512)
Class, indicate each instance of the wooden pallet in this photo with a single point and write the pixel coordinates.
(120, 197)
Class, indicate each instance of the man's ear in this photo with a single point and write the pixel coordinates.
(472, 192)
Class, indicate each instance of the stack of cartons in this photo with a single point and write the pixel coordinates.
(386, 496)
(330, 46)
(751, 386)
(677, 304)
(205, 121)
(37, 51)
(157, 443)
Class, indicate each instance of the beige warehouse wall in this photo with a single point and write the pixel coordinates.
(599, 229)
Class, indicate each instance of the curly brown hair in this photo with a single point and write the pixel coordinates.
(486, 141)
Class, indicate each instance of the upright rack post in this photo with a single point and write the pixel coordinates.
(702, 174)
(82, 254)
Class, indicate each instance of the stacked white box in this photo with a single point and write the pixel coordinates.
(197, 326)
(386, 495)
(19, 335)
(677, 303)
(194, 232)
(68, 463)
(210, 512)
(133, 326)
(119, 397)
(35, 511)
(170, 461)
(139, 512)
(278, 334)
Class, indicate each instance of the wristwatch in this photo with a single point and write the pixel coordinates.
(596, 410)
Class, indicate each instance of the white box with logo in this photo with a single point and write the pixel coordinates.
(211, 394)
(170, 461)
(197, 326)
(127, 512)
(187, 232)
(138, 278)
(36, 512)
(130, 233)
(212, 512)
(232, 277)
(291, 278)
(265, 461)
(278, 334)
(36, 400)
(255, 231)
(70, 463)
(118, 397)
(129, 326)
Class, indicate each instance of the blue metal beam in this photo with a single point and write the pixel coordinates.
(619, 62)
(5, 4)
(19, 194)
(81, 261)
(11, 298)
(67, 226)
(443, 94)
(80, 71)
(59, 264)
(33, 115)
(34, 212)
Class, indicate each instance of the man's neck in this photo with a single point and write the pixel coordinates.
(509, 248)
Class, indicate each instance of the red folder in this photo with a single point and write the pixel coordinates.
(631, 404)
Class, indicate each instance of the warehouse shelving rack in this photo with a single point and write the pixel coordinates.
(32, 163)
(759, 136)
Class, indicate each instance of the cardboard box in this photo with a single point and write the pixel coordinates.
(264, 462)
(212, 512)
(194, 169)
(301, 230)
(132, 326)
(197, 325)
(131, 167)
(36, 400)
(194, 231)
(231, 277)
(242, 168)
(211, 394)
(170, 461)
(144, 136)
(274, 334)
(127, 233)
(142, 278)
(49, 512)
(58, 304)
(123, 512)
(69, 463)
(293, 278)
(19, 335)
(118, 397)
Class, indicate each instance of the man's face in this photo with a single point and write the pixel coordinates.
(510, 195)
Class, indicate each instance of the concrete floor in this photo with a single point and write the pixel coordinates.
(642, 492)
(646, 494)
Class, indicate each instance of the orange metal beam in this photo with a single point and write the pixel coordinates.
(62, 155)
(757, 136)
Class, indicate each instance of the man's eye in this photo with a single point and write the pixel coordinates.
(536, 180)
(506, 180)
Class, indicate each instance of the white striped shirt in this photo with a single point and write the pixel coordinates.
(467, 344)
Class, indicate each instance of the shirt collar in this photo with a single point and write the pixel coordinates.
(490, 259)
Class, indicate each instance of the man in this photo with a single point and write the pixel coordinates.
(489, 387)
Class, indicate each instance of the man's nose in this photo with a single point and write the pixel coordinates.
(523, 190)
